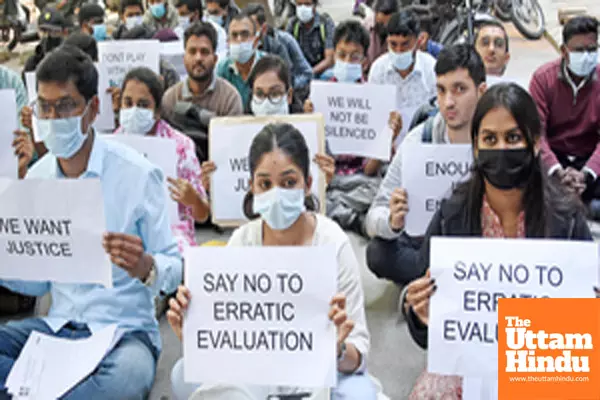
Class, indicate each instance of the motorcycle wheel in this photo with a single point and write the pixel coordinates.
(282, 11)
(502, 9)
(524, 12)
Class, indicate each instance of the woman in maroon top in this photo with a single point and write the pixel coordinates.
(507, 196)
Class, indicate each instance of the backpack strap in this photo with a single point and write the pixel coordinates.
(427, 135)
(296, 29)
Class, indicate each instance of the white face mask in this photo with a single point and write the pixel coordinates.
(402, 61)
(63, 137)
(136, 121)
(583, 63)
(262, 107)
(304, 13)
(278, 207)
(132, 22)
(241, 52)
(347, 72)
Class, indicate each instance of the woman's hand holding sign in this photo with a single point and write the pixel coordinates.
(418, 294)
(349, 358)
(208, 167)
(398, 209)
(177, 308)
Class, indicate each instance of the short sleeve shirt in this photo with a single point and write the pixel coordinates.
(311, 40)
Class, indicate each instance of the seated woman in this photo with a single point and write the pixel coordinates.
(276, 150)
(272, 94)
(142, 92)
(507, 196)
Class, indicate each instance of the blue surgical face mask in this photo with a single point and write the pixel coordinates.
(402, 61)
(241, 52)
(278, 207)
(63, 137)
(99, 32)
(158, 10)
(583, 63)
(132, 22)
(347, 72)
(262, 107)
(136, 120)
(304, 13)
(217, 19)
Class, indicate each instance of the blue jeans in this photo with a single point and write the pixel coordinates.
(127, 372)
(349, 387)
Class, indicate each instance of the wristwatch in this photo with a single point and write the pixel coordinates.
(342, 352)
(151, 278)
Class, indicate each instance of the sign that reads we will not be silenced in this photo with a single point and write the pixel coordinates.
(356, 117)
(258, 316)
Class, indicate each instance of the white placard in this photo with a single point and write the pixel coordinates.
(472, 274)
(117, 57)
(356, 117)
(173, 52)
(258, 316)
(51, 230)
(9, 164)
(31, 82)
(161, 152)
(429, 173)
(230, 139)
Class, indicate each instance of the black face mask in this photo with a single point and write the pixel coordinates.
(49, 43)
(506, 169)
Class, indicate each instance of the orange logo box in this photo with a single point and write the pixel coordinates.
(549, 349)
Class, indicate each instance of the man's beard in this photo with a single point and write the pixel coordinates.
(202, 77)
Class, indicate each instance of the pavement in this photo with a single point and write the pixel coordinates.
(394, 359)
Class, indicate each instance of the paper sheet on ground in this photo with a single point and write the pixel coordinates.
(160, 151)
(230, 336)
(40, 372)
(51, 230)
(472, 274)
(9, 164)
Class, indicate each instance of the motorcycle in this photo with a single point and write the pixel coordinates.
(14, 24)
(528, 17)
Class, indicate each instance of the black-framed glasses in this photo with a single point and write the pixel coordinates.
(63, 108)
(275, 97)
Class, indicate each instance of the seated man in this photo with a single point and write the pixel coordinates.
(161, 14)
(91, 21)
(85, 43)
(221, 12)
(269, 42)
(491, 42)
(243, 54)
(191, 11)
(392, 254)
(131, 14)
(567, 93)
(140, 244)
(377, 27)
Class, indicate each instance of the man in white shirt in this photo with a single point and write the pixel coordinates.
(406, 67)
(191, 11)
(491, 42)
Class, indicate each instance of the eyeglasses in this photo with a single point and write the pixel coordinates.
(353, 58)
(499, 43)
(275, 97)
(63, 108)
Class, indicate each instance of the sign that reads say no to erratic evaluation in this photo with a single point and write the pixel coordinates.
(258, 316)
(356, 117)
(472, 275)
(51, 230)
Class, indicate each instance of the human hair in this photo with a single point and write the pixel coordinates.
(90, 11)
(138, 32)
(404, 23)
(288, 139)
(84, 42)
(192, 6)
(130, 3)
(222, 3)
(491, 23)
(581, 25)
(201, 28)
(541, 198)
(272, 63)
(352, 32)
(386, 7)
(69, 63)
(461, 56)
(150, 79)
(256, 10)
(243, 16)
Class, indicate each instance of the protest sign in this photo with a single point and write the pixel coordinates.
(117, 57)
(161, 152)
(229, 141)
(473, 274)
(429, 173)
(9, 164)
(31, 83)
(258, 316)
(51, 230)
(356, 117)
(173, 52)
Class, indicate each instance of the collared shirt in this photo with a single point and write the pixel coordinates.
(301, 69)
(188, 168)
(227, 70)
(491, 226)
(411, 92)
(134, 203)
(313, 41)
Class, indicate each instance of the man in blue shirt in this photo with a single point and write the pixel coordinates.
(139, 241)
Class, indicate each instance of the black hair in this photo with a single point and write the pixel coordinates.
(491, 23)
(150, 79)
(352, 32)
(287, 138)
(90, 11)
(69, 63)
(461, 56)
(242, 16)
(256, 10)
(386, 7)
(84, 42)
(192, 6)
(138, 32)
(200, 28)
(541, 198)
(130, 3)
(222, 3)
(404, 23)
(581, 25)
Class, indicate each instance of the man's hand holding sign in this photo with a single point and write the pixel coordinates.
(127, 252)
